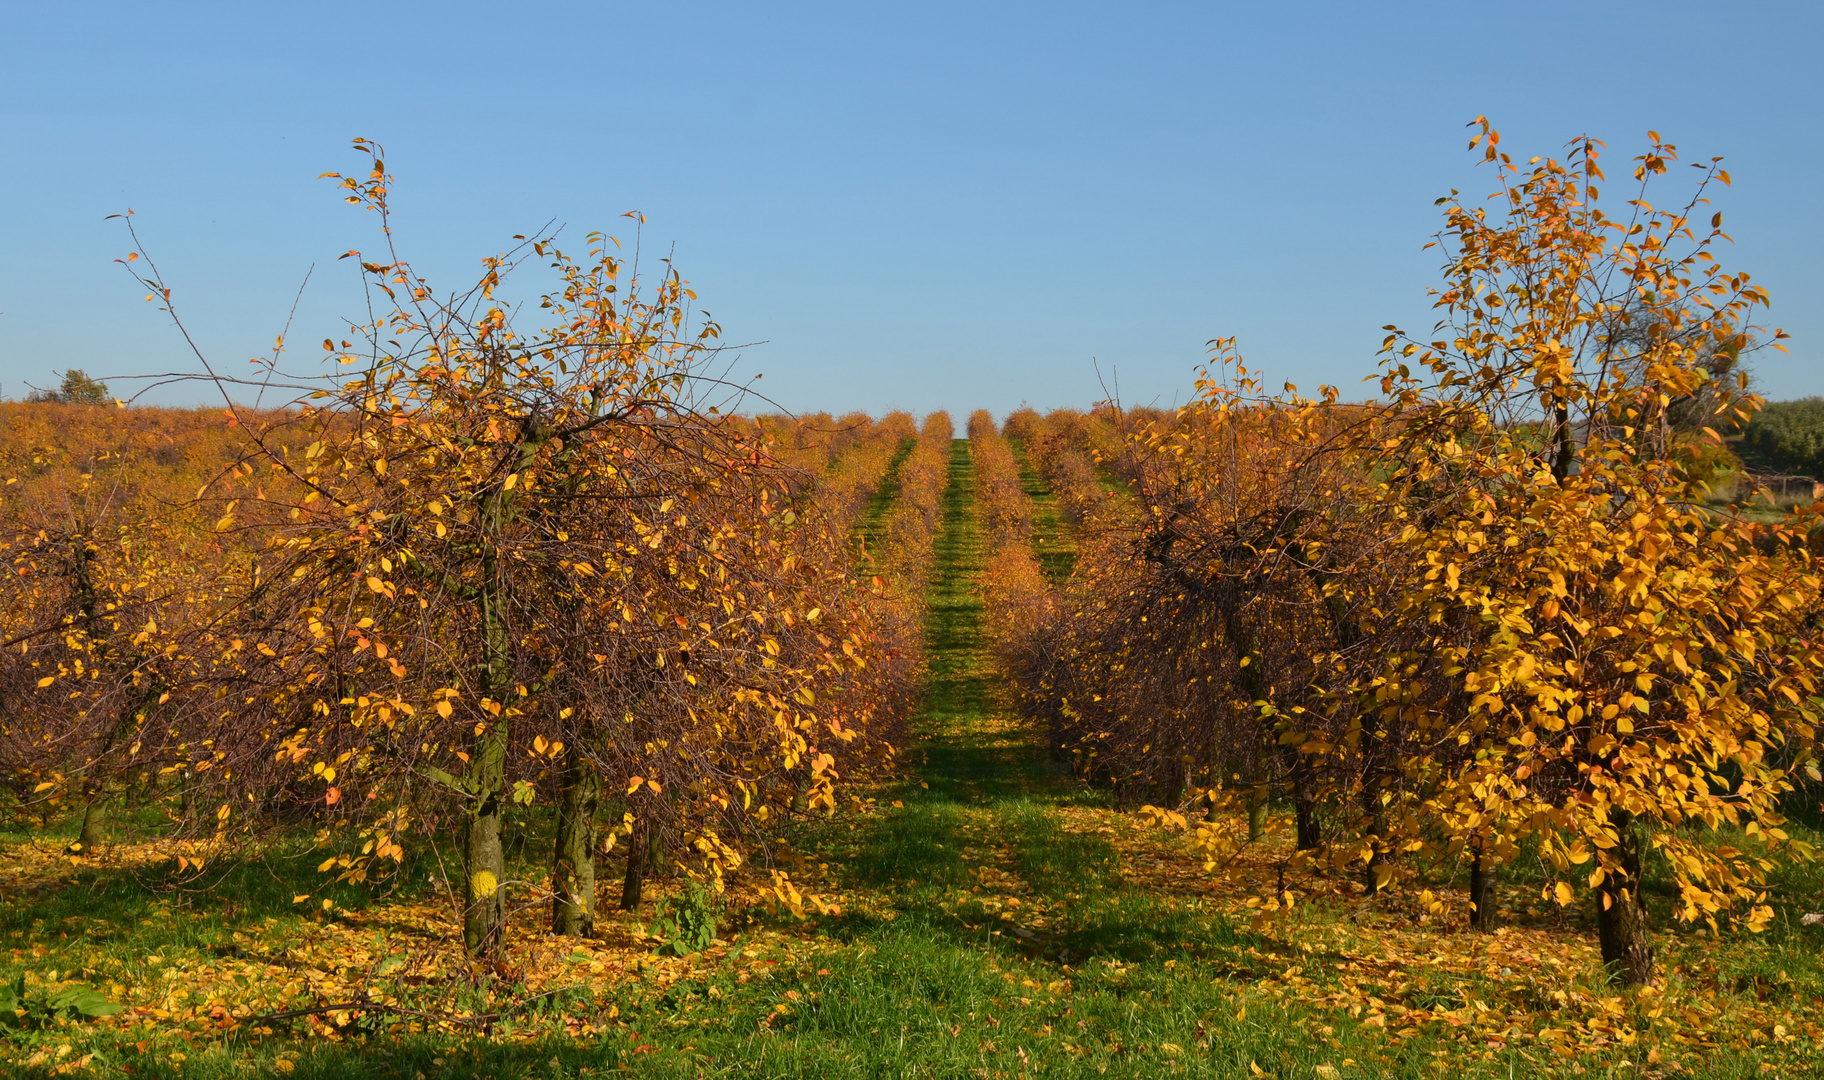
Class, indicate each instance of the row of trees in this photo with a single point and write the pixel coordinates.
(1016, 597)
(904, 555)
(1065, 447)
(1490, 611)
(495, 565)
(1789, 435)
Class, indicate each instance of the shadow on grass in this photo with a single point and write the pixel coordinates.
(228, 892)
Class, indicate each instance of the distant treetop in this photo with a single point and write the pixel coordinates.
(77, 389)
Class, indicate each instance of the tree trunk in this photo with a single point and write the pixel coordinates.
(639, 852)
(1377, 832)
(1176, 785)
(1308, 838)
(573, 867)
(1371, 874)
(1621, 915)
(1248, 668)
(1212, 771)
(139, 789)
(94, 822)
(484, 862)
(1482, 891)
(1565, 448)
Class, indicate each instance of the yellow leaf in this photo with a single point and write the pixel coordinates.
(47, 680)
(443, 709)
(1563, 893)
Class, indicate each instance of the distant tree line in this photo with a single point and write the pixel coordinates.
(1789, 435)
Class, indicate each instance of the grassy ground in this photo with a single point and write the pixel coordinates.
(1052, 536)
(870, 532)
(997, 920)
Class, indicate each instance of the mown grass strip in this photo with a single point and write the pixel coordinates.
(1054, 541)
(870, 531)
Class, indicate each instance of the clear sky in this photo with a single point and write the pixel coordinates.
(924, 206)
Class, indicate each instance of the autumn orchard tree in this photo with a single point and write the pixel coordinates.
(1504, 611)
(502, 557)
(1642, 673)
(1229, 606)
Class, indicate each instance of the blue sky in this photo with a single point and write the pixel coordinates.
(921, 206)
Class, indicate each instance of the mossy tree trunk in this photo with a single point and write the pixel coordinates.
(1257, 814)
(1260, 795)
(573, 864)
(484, 860)
(484, 781)
(95, 821)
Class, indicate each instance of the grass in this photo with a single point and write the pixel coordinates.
(998, 921)
(1052, 536)
(870, 531)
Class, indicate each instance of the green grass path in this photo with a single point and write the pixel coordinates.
(870, 531)
(1077, 976)
(1053, 538)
